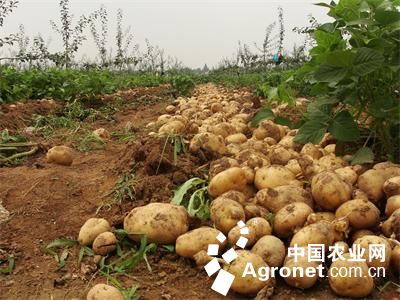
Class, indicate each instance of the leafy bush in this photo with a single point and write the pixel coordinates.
(182, 85)
(354, 72)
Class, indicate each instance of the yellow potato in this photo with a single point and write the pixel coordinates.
(365, 243)
(225, 213)
(230, 179)
(273, 176)
(91, 229)
(105, 243)
(392, 204)
(104, 292)
(271, 249)
(60, 155)
(362, 214)
(290, 218)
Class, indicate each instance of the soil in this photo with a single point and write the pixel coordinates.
(48, 202)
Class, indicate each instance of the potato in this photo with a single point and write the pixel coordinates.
(250, 174)
(223, 129)
(105, 243)
(355, 285)
(221, 164)
(236, 196)
(332, 162)
(102, 133)
(298, 271)
(274, 199)
(230, 179)
(271, 249)
(247, 285)
(395, 259)
(234, 235)
(260, 225)
(320, 216)
(272, 130)
(329, 190)
(192, 242)
(60, 155)
(392, 204)
(288, 142)
(347, 174)
(253, 211)
(225, 214)
(391, 187)
(290, 218)
(216, 107)
(162, 223)
(273, 176)
(104, 292)
(208, 142)
(362, 214)
(170, 109)
(330, 149)
(294, 167)
(237, 138)
(360, 233)
(359, 194)
(172, 127)
(321, 232)
(312, 151)
(279, 155)
(365, 242)
(392, 225)
(91, 229)
(371, 183)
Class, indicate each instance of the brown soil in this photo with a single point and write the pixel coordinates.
(49, 202)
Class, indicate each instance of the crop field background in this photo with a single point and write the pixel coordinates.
(118, 170)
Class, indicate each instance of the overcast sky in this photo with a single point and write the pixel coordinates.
(197, 32)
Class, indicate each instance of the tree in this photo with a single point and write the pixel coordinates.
(7, 7)
(123, 40)
(267, 44)
(100, 34)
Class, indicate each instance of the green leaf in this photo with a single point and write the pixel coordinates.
(311, 132)
(198, 204)
(367, 61)
(264, 114)
(349, 10)
(184, 188)
(386, 17)
(344, 128)
(61, 243)
(170, 248)
(362, 156)
(327, 27)
(329, 73)
(283, 121)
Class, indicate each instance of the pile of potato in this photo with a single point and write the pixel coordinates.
(286, 193)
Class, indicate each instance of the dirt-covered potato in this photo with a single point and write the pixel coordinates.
(274, 199)
(91, 229)
(221, 164)
(332, 162)
(250, 174)
(172, 127)
(237, 138)
(234, 235)
(103, 291)
(102, 133)
(192, 242)
(60, 155)
(395, 259)
(294, 167)
(355, 285)
(391, 186)
(236, 196)
(290, 218)
(360, 233)
(296, 278)
(392, 204)
(253, 211)
(371, 183)
(271, 249)
(268, 129)
(392, 225)
(312, 151)
(347, 174)
(362, 214)
(279, 155)
(225, 213)
(321, 232)
(223, 129)
(248, 284)
(230, 179)
(105, 243)
(162, 223)
(208, 142)
(320, 216)
(365, 243)
(329, 190)
(273, 176)
(261, 227)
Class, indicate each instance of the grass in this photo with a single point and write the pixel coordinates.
(125, 134)
(89, 142)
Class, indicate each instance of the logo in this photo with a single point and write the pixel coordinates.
(224, 279)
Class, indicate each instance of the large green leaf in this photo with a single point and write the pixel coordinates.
(349, 10)
(362, 156)
(264, 114)
(387, 17)
(311, 132)
(367, 61)
(329, 73)
(344, 128)
(184, 188)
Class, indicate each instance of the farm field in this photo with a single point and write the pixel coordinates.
(272, 175)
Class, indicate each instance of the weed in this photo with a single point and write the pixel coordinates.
(126, 134)
(9, 260)
(90, 142)
(57, 244)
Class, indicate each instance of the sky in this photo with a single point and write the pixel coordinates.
(196, 32)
